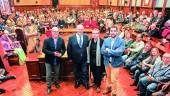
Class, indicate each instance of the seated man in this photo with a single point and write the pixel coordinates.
(160, 72)
(143, 55)
(154, 31)
(134, 50)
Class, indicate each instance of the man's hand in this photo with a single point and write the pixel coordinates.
(165, 86)
(107, 50)
(150, 78)
(57, 54)
(128, 61)
(70, 61)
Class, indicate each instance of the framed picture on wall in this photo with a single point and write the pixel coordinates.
(146, 2)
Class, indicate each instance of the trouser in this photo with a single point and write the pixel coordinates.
(5, 78)
(97, 73)
(146, 87)
(81, 72)
(138, 73)
(49, 68)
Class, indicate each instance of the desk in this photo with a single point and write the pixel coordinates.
(66, 68)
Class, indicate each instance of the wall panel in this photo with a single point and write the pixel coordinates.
(74, 2)
(32, 2)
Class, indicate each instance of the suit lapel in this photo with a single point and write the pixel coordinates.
(53, 43)
(75, 40)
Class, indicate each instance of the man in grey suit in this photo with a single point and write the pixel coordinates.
(53, 49)
(160, 72)
(77, 53)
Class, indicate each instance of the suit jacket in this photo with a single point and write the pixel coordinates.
(49, 49)
(76, 53)
(115, 53)
(160, 74)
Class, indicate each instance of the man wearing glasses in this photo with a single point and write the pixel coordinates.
(53, 48)
(112, 50)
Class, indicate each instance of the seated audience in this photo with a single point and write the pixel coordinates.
(146, 64)
(143, 55)
(154, 31)
(133, 50)
(160, 72)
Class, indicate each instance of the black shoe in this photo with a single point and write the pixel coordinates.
(77, 84)
(86, 86)
(13, 77)
(57, 85)
(134, 84)
(48, 90)
(140, 94)
(2, 91)
(136, 89)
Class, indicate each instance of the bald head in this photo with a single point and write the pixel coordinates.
(80, 29)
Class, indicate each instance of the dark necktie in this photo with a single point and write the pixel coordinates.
(80, 42)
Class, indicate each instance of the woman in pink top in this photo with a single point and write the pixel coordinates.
(86, 22)
(94, 23)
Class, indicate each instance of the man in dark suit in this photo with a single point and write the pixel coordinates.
(77, 52)
(53, 48)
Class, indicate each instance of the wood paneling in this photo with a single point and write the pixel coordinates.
(31, 7)
(74, 2)
(74, 6)
(32, 2)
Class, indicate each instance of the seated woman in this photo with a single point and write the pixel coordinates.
(71, 21)
(86, 22)
(94, 23)
(12, 47)
(128, 39)
(146, 64)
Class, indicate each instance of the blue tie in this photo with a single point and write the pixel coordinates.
(55, 60)
(80, 42)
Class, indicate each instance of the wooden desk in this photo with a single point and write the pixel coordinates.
(66, 68)
(33, 68)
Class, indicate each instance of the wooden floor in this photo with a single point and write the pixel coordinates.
(23, 87)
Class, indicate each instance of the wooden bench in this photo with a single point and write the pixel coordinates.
(154, 41)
